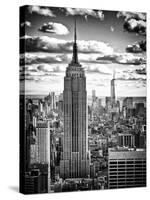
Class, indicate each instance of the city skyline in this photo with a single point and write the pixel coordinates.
(72, 138)
(109, 44)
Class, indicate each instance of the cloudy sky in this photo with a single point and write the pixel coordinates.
(107, 41)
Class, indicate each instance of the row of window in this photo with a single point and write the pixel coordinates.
(128, 162)
(126, 166)
(126, 174)
(132, 178)
(127, 185)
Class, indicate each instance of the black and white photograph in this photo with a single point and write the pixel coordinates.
(82, 99)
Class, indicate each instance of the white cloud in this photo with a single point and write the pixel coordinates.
(124, 58)
(26, 23)
(100, 15)
(54, 28)
(45, 69)
(128, 58)
(94, 46)
(41, 11)
(85, 12)
(132, 15)
(97, 69)
(36, 58)
(48, 44)
(136, 24)
(57, 58)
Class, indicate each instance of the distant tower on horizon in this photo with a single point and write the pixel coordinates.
(75, 163)
(53, 100)
(113, 95)
(93, 95)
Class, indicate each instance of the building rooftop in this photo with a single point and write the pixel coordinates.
(126, 153)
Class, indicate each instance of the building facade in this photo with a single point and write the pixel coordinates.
(126, 140)
(43, 146)
(126, 168)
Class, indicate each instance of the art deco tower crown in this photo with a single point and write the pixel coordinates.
(74, 68)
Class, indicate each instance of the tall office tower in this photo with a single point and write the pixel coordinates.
(93, 95)
(40, 105)
(28, 131)
(108, 103)
(75, 161)
(126, 168)
(53, 100)
(43, 145)
(60, 98)
(113, 97)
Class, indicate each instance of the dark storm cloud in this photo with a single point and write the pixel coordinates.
(45, 11)
(134, 22)
(110, 58)
(54, 28)
(137, 47)
(141, 71)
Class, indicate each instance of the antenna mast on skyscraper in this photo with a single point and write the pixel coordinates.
(75, 34)
(75, 48)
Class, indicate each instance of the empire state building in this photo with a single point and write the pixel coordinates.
(75, 162)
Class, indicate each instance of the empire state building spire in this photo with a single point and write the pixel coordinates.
(75, 48)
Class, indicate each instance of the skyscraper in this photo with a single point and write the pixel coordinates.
(43, 146)
(93, 95)
(114, 104)
(113, 97)
(43, 142)
(53, 100)
(75, 161)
